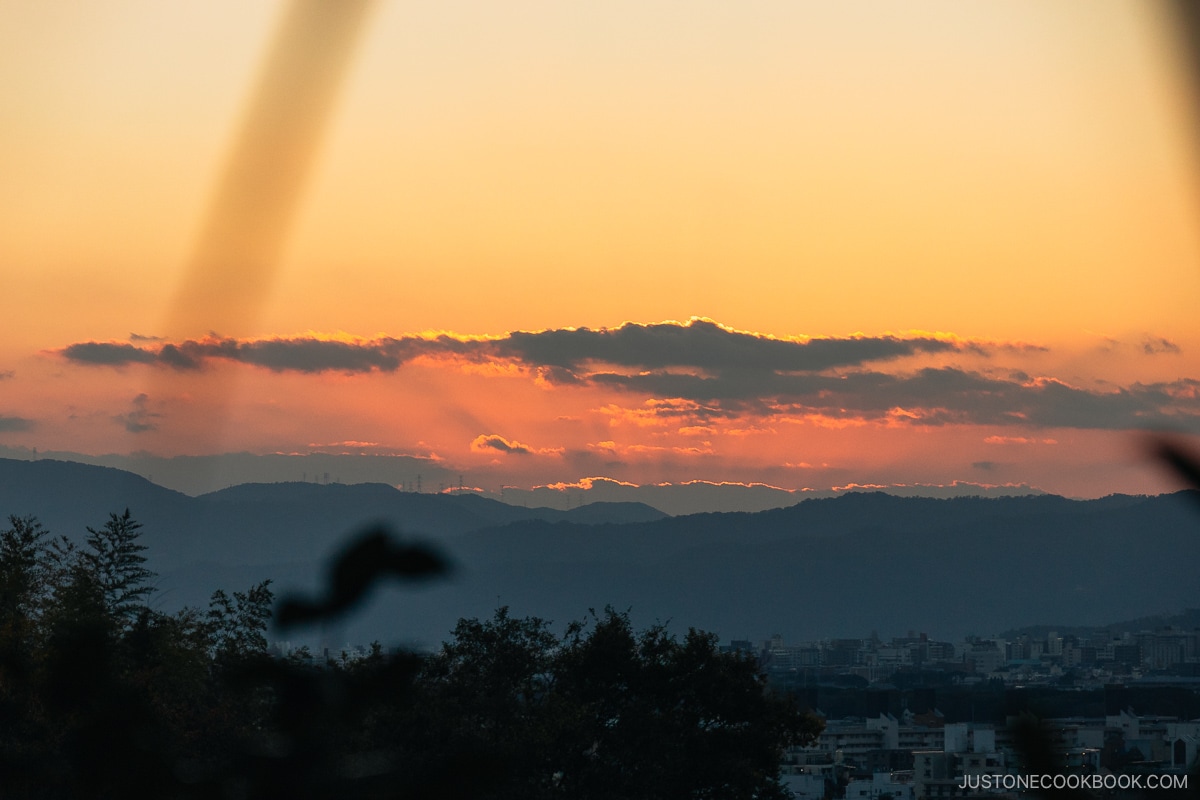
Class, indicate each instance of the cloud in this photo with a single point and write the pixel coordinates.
(955, 488)
(15, 424)
(953, 396)
(752, 430)
(586, 484)
(611, 448)
(696, 430)
(685, 417)
(348, 443)
(706, 345)
(138, 419)
(110, 354)
(137, 337)
(701, 374)
(1017, 440)
(930, 396)
(568, 355)
(489, 442)
(308, 354)
(1152, 346)
(6, 374)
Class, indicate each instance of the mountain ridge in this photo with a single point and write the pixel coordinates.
(823, 567)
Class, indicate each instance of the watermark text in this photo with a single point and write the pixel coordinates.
(1003, 782)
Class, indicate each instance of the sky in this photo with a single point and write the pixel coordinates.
(810, 245)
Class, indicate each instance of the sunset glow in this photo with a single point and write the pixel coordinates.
(810, 246)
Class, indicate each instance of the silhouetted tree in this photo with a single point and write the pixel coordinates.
(114, 556)
(663, 717)
(26, 577)
(237, 625)
(512, 711)
(101, 696)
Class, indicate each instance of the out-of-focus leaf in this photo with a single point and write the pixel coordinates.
(373, 555)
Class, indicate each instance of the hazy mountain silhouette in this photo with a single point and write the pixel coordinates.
(1186, 620)
(257, 523)
(831, 567)
(197, 475)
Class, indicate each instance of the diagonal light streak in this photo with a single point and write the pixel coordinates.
(255, 200)
(232, 268)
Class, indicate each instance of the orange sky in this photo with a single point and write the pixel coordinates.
(1003, 172)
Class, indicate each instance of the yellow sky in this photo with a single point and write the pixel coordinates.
(995, 169)
(998, 170)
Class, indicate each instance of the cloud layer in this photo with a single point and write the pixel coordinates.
(703, 370)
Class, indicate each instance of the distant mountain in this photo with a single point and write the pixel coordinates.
(1186, 620)
(694, 497)
(831, 567)
(257, 523)
(196, 475)
(66, 496)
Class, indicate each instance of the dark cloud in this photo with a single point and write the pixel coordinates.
(559, 356)
(5, 374)
(137, 337)
(705, 345)
(955, 396)
(140, 418)
(1153, 346)
(492, 441)
(931, 396)
(175, 357)
(299, 354)
(986, 466)
(110, 354)
(282, 355)
(15, 424)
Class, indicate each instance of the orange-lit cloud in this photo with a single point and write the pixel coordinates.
(749, 431)
(742, 484)
(619, 449)
(348, 444)
(696, 430)
(1018, 440)
(585, 484)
